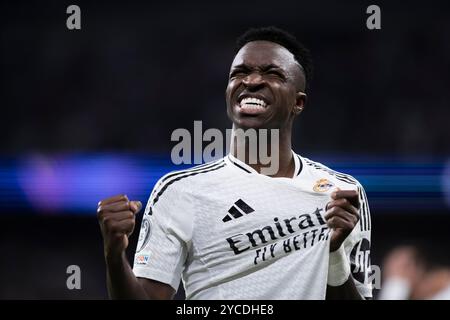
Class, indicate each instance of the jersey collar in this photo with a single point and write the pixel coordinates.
(247, 169)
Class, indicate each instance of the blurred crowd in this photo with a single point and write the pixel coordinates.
(415, 272)
(138, 70)
(131, 76)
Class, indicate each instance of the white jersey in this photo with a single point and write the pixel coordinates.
(231, 233)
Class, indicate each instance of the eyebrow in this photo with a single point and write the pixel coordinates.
(263, 67)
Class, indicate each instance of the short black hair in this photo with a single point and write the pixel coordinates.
(273, 34)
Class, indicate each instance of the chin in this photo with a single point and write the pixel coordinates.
(249, 122)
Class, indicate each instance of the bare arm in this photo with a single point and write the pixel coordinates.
(117, 217)
(342, 216)
(347, 291)
(123, 284)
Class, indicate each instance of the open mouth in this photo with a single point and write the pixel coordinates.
(252, 106)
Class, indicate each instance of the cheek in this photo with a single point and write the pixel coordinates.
(229, 91)
(232, 85)
(285, 96)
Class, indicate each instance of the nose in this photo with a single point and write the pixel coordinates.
(253, 80)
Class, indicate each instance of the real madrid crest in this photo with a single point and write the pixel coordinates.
(323, 185)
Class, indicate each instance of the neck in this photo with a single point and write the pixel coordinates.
(266, 151)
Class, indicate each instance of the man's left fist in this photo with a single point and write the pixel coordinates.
(342, 215)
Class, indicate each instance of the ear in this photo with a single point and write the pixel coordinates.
(300, 102)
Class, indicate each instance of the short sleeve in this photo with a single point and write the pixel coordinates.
(357, 248)
(165, 234)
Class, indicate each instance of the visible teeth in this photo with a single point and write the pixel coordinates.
(253, 101)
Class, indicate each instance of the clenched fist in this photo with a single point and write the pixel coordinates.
(342, 215)
(117, 216)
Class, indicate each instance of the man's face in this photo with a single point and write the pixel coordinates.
(265, 87)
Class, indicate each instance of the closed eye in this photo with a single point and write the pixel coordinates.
(237, 73)
(276, 73)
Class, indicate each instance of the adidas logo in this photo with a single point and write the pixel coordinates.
(234, 211)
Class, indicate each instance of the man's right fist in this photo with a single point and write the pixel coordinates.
(117, 216)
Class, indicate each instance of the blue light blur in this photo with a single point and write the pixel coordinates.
(74, 183)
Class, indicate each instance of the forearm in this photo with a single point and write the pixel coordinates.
(121, 281)
(347, 291)
(340, 283)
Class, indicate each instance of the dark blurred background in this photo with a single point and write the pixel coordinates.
(89, 113)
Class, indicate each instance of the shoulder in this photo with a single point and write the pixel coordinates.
(321, 171)
(174, 184)
(324, 177)
(183, 177)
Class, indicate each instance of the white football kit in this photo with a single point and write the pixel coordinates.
(231, 233)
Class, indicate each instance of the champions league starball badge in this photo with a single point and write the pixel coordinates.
(144, 235)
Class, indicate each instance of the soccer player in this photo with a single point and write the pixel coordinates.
(229, 231)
